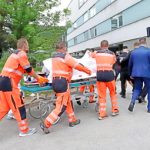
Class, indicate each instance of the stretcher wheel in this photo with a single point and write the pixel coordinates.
(39, 108)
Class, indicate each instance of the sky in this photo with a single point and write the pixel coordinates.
(64, 4)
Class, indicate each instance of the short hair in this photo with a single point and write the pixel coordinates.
(125, 47)
(142, 40)
(104, 43)
(21, 42)
(136, 44)
(60, 45)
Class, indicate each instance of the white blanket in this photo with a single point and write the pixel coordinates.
(86, 60)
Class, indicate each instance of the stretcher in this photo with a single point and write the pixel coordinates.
(44, 101)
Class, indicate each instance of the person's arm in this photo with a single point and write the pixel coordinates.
(24, 62)
(130, 64)
(70, 61)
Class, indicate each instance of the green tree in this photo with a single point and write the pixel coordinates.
(27, 18)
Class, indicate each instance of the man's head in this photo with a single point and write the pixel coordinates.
(61, 47)
(142, 41)
(104, 45)
(22, 44)
(136, 44)
(125, 49)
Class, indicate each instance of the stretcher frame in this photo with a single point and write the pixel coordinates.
(42, 105)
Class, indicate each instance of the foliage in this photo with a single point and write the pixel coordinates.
(30, 19)
(3, 60)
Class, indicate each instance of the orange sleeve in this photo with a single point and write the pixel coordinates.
(70, 61)
(24, 62)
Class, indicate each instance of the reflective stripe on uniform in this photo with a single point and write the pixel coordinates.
(54, 115)
(61, 72)
(102, 109)
(70, 115)
(102, 104)
(14, 56)
(70, 119)
(105, 54)
(23, 127)
(13, 70)
(104, 65)
(49, 120)
(27, 66)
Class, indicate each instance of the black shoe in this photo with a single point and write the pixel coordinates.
(120, 93)
(44, 128)
(141, 99)
(72, 124)
(148, 111)
(131, 106)
(79, 103)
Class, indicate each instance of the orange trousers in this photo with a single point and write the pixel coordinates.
(102, 87)
(63, 103)
(91, 89)
(12, 100)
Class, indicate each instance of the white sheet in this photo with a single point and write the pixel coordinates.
(86, 60)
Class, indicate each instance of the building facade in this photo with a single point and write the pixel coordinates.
(121, 22)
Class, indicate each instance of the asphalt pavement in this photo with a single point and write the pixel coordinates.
(128, 131)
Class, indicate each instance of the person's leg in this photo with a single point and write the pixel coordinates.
(4, 106)
(101, 87)
(61, 104)
(147, 87)
(17, 106)
(143, 95)
(111, 86)
(81, 90)
(138, 83)
(123, 84)
(91, 87)
(70, 112)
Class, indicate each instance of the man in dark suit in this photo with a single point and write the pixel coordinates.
(139, 68)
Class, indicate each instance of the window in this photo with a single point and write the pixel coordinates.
(86, 16)
(112, 1)
(70, 42)
(116, 22)
(79, 22)
(80, 38)
(82, 2)
(93, 32)
(75, 25)
(86, 35)
(92, 11)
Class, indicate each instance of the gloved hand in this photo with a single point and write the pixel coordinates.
(42, 80)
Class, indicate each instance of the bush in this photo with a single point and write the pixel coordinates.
(3, 59)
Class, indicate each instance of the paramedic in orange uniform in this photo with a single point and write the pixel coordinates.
(16, 65)
(62, 69)
(91, 89)
(105, 60)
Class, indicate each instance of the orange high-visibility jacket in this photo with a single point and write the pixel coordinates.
(63, 64)
(16, 65)
(105, 59)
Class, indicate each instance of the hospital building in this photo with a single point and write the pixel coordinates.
(121, 22)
